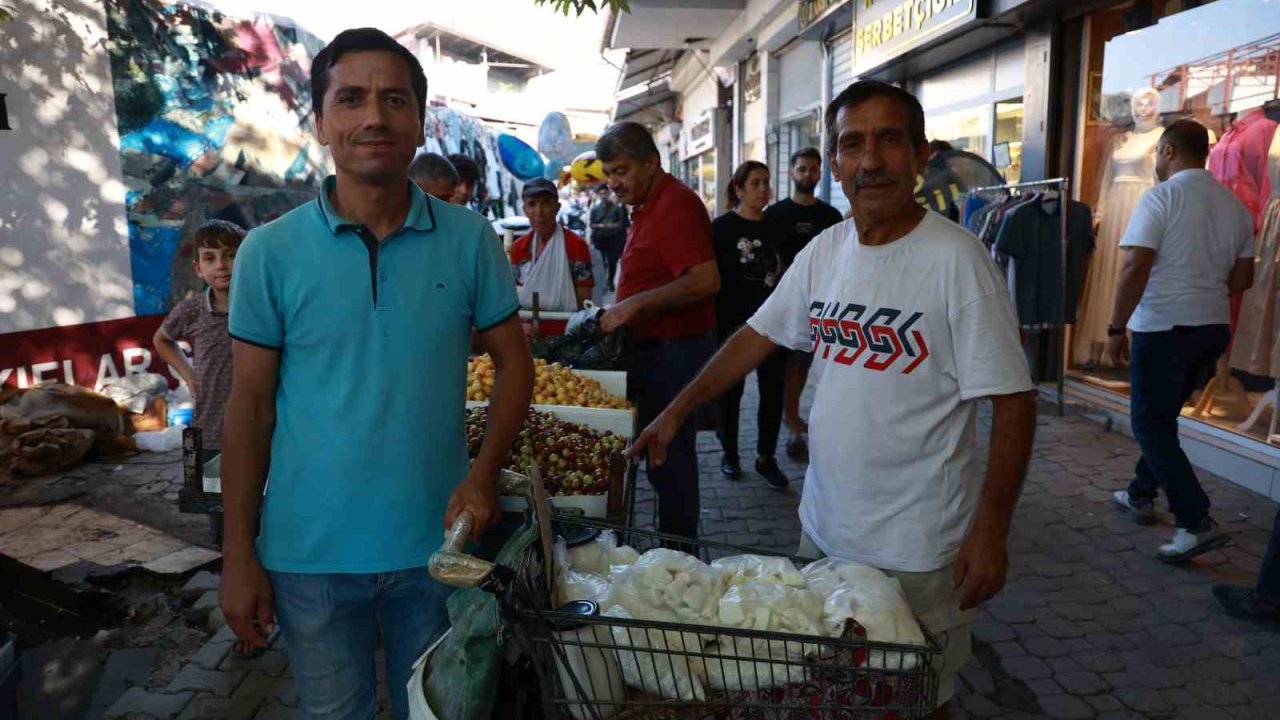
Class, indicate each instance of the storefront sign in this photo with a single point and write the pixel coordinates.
(810, 12)
(702, 134)
(89, 355)
(884, 29)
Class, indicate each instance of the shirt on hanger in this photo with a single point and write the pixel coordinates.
(1031, 235)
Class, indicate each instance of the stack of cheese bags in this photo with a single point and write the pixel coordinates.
(743, 592)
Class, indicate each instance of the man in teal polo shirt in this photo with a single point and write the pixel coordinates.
(352, 318)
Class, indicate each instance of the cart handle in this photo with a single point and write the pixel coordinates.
(450, 565)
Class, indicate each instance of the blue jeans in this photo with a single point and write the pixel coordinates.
(330, 624)
(1164, 369)
(1269, 578)
(663, 369)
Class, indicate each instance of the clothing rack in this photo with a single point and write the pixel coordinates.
(1063, 186)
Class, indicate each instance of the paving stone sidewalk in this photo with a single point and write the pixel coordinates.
(1090, 624)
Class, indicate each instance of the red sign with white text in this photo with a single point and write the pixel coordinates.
(89, 355)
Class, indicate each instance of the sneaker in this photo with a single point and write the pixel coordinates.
(1186, 544)
(798, 447)
(768, 469)
(730, 468)
(1242, 603)
(1142, 510)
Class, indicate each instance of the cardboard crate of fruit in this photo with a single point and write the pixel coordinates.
(599, 395)
(582, 467)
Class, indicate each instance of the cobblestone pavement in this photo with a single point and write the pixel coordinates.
(1090, 624)
(142, 487)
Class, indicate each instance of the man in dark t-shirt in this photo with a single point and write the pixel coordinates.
(802, 216)
(609, 225)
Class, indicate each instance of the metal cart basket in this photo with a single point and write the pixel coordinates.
(700, 672)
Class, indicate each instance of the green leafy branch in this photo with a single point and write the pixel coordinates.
(580, 6)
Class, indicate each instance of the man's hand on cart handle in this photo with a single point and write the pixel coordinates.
(981, 566)
(478, 495)
(657, 437)
(247, 600)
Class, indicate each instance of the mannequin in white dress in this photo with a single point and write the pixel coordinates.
(1129, 172)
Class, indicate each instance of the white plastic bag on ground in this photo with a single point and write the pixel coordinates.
(824, 575)
(165, 440)
(670, 586)
(665, 671)
(739, 569)
(133, 392)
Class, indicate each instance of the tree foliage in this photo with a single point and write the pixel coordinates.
(580, 6)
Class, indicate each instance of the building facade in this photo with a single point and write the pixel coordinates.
(1040, 89)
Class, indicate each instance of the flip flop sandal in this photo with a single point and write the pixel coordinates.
(1196, 551)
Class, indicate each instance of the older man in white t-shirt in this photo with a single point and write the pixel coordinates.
(1188, 248)
(911, 325)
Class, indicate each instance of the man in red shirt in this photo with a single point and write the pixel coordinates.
(667, 280)
(562, 288)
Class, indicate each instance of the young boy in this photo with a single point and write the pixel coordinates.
(202, 319)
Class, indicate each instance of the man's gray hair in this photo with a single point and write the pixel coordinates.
(430, 166)
(626, 138)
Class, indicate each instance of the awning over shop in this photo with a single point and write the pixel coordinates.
(644, 92)
(672, 24)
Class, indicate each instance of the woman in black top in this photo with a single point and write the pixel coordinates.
(747, 256)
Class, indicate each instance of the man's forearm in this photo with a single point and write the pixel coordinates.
(745, 350)
(508, 405)
(1013, 429)
(679, 293)
(1133, 283)
(246, 457)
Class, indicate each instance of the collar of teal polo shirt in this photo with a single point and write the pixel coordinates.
(420, 217)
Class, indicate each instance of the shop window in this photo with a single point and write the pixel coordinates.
(700, 174)
(790, 137)
(1143, 66)
(968, 129)
(1006, 153)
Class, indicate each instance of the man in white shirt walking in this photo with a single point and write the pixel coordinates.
(910, 324)
(1188, 248)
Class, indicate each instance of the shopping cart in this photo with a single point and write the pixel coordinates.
(691, 672)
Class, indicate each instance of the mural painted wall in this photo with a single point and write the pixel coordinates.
(128, 123)
(214, 115)
(132, 122)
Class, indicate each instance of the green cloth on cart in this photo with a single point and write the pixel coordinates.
(462, 677)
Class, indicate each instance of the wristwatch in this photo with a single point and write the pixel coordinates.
(1113, 331)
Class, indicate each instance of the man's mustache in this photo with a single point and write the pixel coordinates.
(878, 177)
